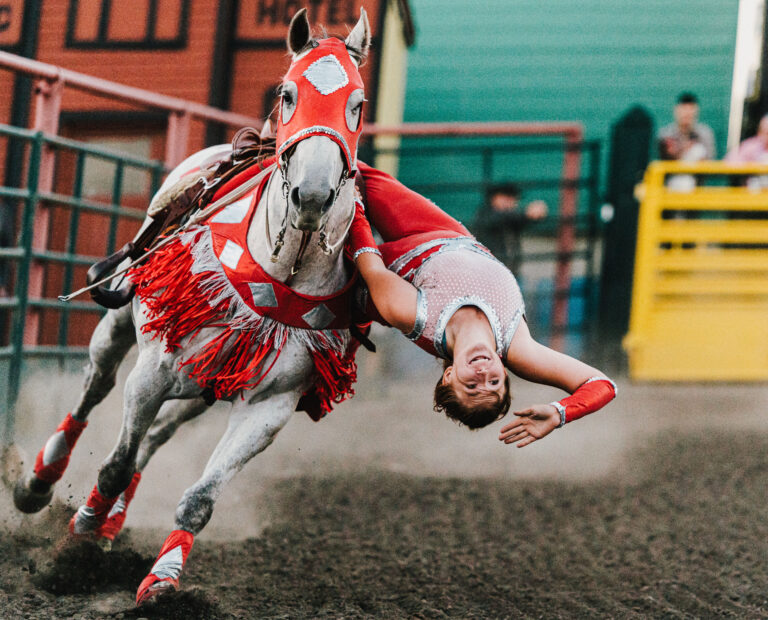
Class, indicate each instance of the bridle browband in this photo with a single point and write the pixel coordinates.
(323, 241)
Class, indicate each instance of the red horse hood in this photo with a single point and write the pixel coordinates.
(325, 79)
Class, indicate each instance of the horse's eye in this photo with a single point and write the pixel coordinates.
(288, 96)
(354, 109)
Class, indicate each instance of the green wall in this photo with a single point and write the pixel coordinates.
(562, 60)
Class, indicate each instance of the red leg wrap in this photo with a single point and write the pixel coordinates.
(116, 516)
(53, 459)
(168, 565)
(101, 505)
(89, 518)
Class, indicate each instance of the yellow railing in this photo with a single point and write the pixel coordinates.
(700, 292)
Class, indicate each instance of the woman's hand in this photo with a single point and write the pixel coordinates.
(531, 424)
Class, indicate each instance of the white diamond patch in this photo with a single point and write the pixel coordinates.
(318, 317)
(234, 213)
(55, 448)
(327, 75)
(169, 564)
(118, 507)
(263, 294)
(231, 254)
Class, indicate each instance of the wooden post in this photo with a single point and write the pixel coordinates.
(177, 138)
(48, 93)
(566, 237)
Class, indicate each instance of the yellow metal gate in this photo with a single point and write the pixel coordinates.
(700, 293)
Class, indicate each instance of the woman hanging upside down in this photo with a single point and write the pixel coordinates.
(450, 296)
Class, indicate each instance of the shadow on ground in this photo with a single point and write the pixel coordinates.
(688, 536)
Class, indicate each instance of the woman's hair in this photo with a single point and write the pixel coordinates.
(478, 416)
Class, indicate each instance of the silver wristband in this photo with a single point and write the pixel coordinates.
(365, 250)
(561, 410)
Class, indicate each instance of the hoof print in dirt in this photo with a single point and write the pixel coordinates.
(83, 567)
(190, 604)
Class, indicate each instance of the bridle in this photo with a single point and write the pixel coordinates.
(323, 238)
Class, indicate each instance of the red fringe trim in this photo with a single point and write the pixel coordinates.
(177, 307)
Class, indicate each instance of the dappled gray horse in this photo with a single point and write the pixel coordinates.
(217, 334)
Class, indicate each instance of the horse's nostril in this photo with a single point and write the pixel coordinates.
(329, 202)
(295, 197)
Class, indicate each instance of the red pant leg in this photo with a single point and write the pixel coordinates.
(398, 212)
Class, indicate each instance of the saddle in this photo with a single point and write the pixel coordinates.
(174, 206)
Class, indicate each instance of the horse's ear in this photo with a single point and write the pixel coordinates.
(360, 37)
(298, 32)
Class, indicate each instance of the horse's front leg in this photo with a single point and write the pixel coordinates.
(152, 381)
(172, 415)
(251, 429)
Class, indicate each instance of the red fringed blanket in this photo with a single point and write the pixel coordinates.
(207, 279)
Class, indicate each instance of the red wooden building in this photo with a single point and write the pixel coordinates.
(229, 54)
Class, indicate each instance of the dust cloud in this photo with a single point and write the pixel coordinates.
(388, 426)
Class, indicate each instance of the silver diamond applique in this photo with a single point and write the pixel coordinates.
(318, 317)
(55, 448)
(263, 294)
(169, 565)
(234, 213)
(231, 254)
(327, 75)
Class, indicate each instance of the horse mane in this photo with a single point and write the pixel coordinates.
(247, 143)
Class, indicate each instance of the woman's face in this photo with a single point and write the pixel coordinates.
(476, 375)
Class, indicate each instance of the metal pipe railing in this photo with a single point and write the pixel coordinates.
(121, 92)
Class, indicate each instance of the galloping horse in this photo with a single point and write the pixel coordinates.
(215, 326)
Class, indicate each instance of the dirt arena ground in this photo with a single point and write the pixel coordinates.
(655, 507)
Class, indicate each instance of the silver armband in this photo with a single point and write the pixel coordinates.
(364, 250)
(561, 410)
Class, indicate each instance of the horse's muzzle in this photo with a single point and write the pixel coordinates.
(309, 206)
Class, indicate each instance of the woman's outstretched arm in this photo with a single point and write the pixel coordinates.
(589, 388)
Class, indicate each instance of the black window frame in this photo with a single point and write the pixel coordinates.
(150, 41)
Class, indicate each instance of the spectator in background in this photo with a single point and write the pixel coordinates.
(500, 221)
(753, 150)
(685, 140)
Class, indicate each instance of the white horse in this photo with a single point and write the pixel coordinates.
(308, 192)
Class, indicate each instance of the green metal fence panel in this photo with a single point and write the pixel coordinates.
(26, 202)
(483, 163)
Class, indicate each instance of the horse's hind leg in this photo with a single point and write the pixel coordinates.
(147, 387)
(172, 414)
(110, 342)
(251, 429)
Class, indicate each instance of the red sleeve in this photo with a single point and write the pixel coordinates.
(398, 212)
(591, 395)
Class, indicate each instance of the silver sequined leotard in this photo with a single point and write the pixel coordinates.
(455, 273)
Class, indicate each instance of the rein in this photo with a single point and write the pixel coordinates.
(196, 218)
(224, 201)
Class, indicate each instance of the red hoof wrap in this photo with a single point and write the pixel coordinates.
(89, 518)
(53, 459)
(170, 561)
(116, 516)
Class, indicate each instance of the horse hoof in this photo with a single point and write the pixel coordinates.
(152, 591)
(27, 498)
(105, 544)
